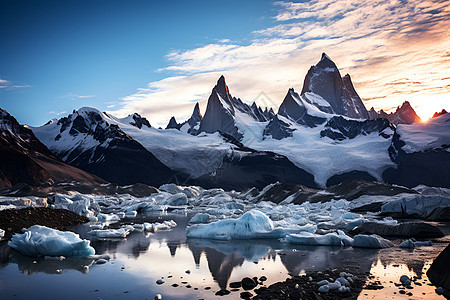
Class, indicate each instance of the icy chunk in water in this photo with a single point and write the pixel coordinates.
(371, 241)
(329, 239)
(43, 241)
(251, 225)
(200, 218)
(110, 233)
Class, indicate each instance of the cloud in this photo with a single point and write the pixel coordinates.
(57, 113)
(394, 50)
(9, 85)
(73, 96)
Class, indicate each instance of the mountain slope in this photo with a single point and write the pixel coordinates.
(422, 153)
(26, 160)
(404, 114)
(224, 112)
(87, 140)
(324, 80)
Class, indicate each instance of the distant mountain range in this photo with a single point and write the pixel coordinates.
(320, 137)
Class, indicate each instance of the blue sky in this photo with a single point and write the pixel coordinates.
(158, 57)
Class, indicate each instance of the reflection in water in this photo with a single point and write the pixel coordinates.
(224, 256)
(32, 265)
(142, 258)
(317, 258)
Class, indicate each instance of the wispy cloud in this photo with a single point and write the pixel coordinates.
(10, 85)
(395, 51)
(73, 96)
(57, 113)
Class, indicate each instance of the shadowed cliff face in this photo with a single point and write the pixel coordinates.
(87, 141)
(325, 80)
(26, 160)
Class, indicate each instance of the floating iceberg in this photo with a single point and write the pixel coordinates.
(43, 241)
(251, 225)
(371, 241)
(329, 239)
(109, 233)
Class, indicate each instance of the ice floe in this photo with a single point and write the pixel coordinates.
(329, 239)
(371, 241)
(43, 241)
(251, 225)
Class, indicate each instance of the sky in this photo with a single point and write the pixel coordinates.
(158, 58)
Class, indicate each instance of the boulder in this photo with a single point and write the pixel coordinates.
(439, 214)
(439, 272)
(408, 229)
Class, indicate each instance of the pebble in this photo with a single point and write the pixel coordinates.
(323, 282)
(324, 289)
(101, 261)
(159, 281)
(158, 297)
(188, 271)
(439, 291)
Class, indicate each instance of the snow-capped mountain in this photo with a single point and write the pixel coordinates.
(320, 137)
(191, 125)
(24, 159)
(324, 80)
(422, 153)
(404, 114)
(224, 111)
(85, 139)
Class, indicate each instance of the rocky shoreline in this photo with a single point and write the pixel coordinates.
(13, 220)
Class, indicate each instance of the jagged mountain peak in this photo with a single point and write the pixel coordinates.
(324, 80)
(172, 124)
(222, 89)
(437, 114)
(139, 121)
(404, 114)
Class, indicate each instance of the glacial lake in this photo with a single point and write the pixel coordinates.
(138, 261)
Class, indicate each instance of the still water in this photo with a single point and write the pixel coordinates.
(198, 268)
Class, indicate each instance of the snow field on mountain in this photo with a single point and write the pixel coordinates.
(422, 136)
(193, 155)
(322, 156)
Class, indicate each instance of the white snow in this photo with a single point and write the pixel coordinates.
(322, 157)
(422, 136)
(252, 225)
(43, 241)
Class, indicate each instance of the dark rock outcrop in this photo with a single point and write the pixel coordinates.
(221, 112)
(24, 159)
(440, 113)
(404, 114)
(324, 79)
(294, 108)
(439, 214)
(104, 149)
(277, 129)
(340, 128)
(247, 168)
(13, 220)
(430, 167)
(139, 121)
(439, 272)
(349, 176)
(173, 124)
(407, 229)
